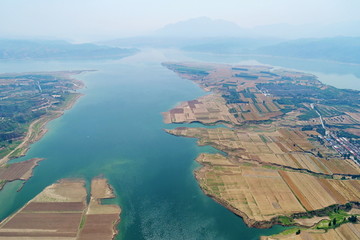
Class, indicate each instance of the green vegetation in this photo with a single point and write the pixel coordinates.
(309, 114)
(248, 94)
(270, 167)
(263, 138)
(266, 106)
(321, 131)
(291, 101)
(232, 110)
(246, 76)
(82, 222)
(328, 112)
(337, 218)
(307, 128)
(346, 135)
(258, 107)
(26, 98)
(189, 70)
(287, 221)
(330, 101)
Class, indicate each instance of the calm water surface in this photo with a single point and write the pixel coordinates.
(116, 129)
(340, 75)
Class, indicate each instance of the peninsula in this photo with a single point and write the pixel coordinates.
(61, 211)
(291, 145)
(28, 102)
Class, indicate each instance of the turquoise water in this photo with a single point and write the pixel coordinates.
(116, 129)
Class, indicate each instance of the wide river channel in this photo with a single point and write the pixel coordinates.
(116, 130)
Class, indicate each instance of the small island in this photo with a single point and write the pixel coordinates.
(290, 148)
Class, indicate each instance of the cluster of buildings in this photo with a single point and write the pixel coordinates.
(343, 146)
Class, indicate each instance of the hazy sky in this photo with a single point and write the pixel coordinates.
(91, 19)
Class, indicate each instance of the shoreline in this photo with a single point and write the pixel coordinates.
(202, 112)
(33, 135)
(22, 177)
(275, 220)
(63, 202)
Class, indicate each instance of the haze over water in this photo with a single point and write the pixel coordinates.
(116, 129)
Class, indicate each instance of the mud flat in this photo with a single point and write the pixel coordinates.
(58, 212)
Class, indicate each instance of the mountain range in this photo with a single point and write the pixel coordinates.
(46, 49)
(204, 27)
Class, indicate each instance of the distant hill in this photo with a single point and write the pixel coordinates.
(291, 32)
(219, 36)
(35, 49)
(208, 35)
(229, 45)
(202, 27)
(189, 33)
(342, 49)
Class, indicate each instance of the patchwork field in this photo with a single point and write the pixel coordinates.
(58, 212)
(208, 109)
(291, 146)
(255, 193)
(100, 219)
(259, 194)
(236, 98)
(281, 147)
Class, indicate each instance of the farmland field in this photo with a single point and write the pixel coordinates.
(59, 212)
(285, 151)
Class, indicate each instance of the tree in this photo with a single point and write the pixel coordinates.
(352, 219)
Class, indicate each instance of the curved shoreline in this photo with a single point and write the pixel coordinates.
(33, 135)
(37, 128)
(254, 213)
(275, 220)
(62, 202)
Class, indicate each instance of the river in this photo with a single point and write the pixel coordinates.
(116, 129)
